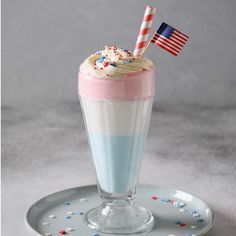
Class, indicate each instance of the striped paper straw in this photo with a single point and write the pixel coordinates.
(144, 30)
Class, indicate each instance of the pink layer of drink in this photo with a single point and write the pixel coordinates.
(134, 86)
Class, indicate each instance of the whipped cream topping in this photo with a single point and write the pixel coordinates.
(113, 62)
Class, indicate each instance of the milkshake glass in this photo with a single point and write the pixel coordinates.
(116, 114)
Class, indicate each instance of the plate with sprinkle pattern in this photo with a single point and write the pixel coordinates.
(176, 213)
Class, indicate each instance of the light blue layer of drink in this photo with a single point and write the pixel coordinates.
(117, 160)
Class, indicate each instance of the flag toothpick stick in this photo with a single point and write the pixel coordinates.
(144, 50)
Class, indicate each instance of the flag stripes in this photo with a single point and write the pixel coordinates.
(169, 39)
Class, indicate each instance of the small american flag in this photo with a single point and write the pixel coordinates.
(169, 39)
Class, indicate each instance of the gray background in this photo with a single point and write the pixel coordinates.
(44, 42)
(191, 143)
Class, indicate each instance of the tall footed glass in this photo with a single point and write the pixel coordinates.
(116, 114)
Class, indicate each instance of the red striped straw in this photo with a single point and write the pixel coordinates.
(144, 30)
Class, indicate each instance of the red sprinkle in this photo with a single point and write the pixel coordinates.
(62, 232)
(182, 225)
(106, 63)
(154, 197)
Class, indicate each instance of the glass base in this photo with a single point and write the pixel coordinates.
(119, 217)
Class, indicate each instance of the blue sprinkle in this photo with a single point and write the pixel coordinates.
(101, 59)
(200, 220)
(96, 235)
(67, 203)
(113, 64)
(67, 217)
(79, 213)
(165, 200)
(177, 222)
(189, 234)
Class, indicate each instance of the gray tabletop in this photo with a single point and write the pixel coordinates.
(44, 150)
